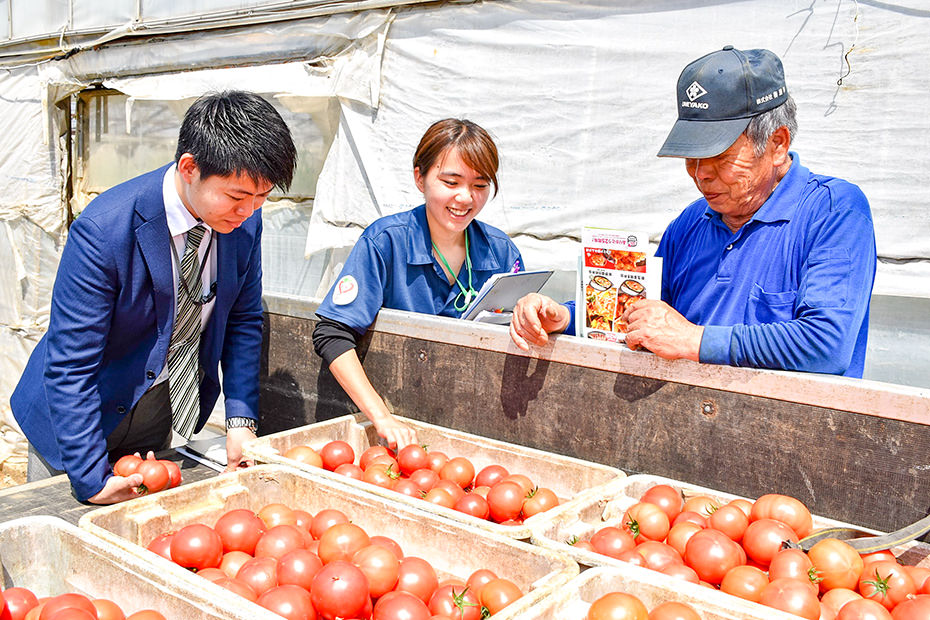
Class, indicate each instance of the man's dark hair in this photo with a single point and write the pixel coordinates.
(237, 132)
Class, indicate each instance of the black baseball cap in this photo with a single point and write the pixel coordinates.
(718, 94)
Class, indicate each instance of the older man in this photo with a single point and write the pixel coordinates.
(773, 267)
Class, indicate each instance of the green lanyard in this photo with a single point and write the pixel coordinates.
(467, 293)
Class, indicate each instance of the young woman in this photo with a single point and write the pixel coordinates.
(432, 259)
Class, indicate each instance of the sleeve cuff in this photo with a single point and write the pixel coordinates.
(570, 329)
(715, 345)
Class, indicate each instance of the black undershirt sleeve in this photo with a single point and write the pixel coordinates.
(332, 338)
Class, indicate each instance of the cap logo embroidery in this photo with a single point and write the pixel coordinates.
(695, 91)
(346, 291)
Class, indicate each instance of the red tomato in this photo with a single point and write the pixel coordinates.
(369, 454)
(437, 460)
(162, 545)
(658, 555)
(837, 597)
(646, 521)
(381, 476)
(666, 497)
(411, 458)
(764, 537)
(490, 475)
(451, 488)
(794, 596)
(679, 535)
(298, 568)
(350, 470)
(305, 455)
(730, 520)
(743, 504)
(66, 601)
(524, 481)
(746, 582)
(277, 514)
(689, 516)
(260, 574)
(456, 601)
(233, 561)
(917, 608)
(617, 606)
(237, 586)
(505, 500)
(291, 602)
(886, 582)
(146, 614)
(498, 593)
(919, 574)
(539, 500)
(325, 519)
(108, 610)
(240, 530)
(426, 479)
(68, 613)
(478, 578)
(212, 574)
(673, 610)
(280, 540)
(385, 460)
(196, 546)
(417, 577)
(864, 609)
(632, 556)
(155, 476)
(680, 571)
(711, 554)
(335, 453)
(388, 543)
(837, 564)
(458, 470)
(791, 563)
(788, 510)
(127, 465)
(400, 606)
(174, 472)
(405, 486)
(303, 521)
(704, 505)
(612, 541)
(341, 541)
(474, 505)
(339, 590)
(878, 555)
(17, 602)
(380, 566)
(440, 497)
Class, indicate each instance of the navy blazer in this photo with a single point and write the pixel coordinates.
(111, 318)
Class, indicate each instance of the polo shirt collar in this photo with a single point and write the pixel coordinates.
(783, 202)
(420, 247)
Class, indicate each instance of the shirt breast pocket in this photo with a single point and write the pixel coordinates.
(764, 307)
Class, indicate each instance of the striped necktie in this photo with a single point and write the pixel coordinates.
(184, 347)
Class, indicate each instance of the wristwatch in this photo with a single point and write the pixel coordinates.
(242, 422)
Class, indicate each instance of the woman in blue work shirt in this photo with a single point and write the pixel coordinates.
(431, 259)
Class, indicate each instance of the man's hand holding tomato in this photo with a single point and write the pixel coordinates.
(118, 489)
(656, 326)
(235, 437)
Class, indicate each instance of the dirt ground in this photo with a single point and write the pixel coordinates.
(12, 474)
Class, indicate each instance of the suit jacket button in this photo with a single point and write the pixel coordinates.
(121, 409)
(150, 374)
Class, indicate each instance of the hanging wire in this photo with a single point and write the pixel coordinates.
(839, 82)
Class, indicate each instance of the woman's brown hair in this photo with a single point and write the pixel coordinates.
(474, 145)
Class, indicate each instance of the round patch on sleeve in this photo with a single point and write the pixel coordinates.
(346, 291)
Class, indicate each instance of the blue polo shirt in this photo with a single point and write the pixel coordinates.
(392, 266)
(788, 290)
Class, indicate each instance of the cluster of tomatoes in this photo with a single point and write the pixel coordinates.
(623, 606)
(304, 566)
(157, 474)
(21, 604)
(739, 547)
(493, 493)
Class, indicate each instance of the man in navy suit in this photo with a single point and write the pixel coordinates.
(97, 384)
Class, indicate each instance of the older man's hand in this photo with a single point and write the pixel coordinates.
(536, 316)
(656, 326)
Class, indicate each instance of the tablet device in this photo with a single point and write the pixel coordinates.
(501, 292)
